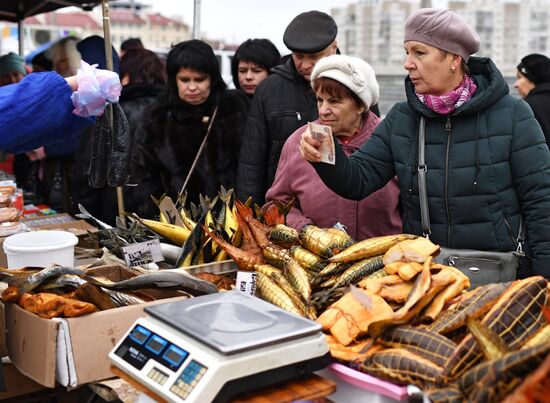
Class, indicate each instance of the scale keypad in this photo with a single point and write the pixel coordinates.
(158, 376)
(190, 376)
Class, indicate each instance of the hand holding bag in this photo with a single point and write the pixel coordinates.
(481, 267)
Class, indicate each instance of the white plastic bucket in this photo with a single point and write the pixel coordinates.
(40, 249)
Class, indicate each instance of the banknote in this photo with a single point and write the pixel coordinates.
(323, 134)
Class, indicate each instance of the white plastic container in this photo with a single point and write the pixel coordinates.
(40, 249)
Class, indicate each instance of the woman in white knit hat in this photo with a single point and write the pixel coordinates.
(345, 88)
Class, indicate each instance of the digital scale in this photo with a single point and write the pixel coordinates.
(214, 347)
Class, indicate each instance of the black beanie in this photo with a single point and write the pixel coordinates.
(536, 68)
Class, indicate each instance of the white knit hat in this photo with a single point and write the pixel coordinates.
(354, 73)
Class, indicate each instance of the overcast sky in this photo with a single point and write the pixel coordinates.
(237, 20)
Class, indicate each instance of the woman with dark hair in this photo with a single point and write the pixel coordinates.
(345, 88)
(143, 78)
(252, 63)
(170, 137)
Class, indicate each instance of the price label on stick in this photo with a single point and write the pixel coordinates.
(138, 254)
(246, 282)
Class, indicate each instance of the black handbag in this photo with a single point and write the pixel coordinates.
(481, 267)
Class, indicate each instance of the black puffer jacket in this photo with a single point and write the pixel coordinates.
(282, 103)
(539, 100)
(136, 99)
(487, 165)
(169, 141)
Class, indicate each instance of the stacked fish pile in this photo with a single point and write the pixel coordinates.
(416, 325)
(180, 229)
(389, 311)
(303, 272)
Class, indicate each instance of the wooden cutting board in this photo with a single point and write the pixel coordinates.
(306, 388)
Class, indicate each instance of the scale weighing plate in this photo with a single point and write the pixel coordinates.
(233, 322)
(213, 347)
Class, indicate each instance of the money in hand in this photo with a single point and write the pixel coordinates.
(323, 134)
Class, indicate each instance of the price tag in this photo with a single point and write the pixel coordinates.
(246, 282)
(138, 254)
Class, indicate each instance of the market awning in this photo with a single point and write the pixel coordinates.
(17, 10)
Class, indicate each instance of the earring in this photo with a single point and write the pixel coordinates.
(453, 69)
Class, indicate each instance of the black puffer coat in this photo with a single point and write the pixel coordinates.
(282, 103)
(136, 99)
(168, 144)
(539, 100)
(488, 163)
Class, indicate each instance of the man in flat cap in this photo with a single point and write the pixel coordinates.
(283, 102)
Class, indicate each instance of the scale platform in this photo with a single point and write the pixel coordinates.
(213, 347)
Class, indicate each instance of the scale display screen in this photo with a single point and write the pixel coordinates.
(175, 355)
(140, 334)
(156, 344)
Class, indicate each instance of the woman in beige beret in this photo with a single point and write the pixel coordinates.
(486, 161)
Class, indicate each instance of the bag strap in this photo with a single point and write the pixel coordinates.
(423, 193)
(422, 169)
(199, 152)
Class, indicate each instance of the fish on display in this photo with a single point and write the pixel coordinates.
(164, 278)
(29, 283)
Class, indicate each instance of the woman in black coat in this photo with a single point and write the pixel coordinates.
(533, 85)
(195, 98)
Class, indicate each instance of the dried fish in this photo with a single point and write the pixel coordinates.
(422, 342)
(402, 367)
(516, 317)
(369, 247)
(164, 278)
(284, 236)
(324, 242)
(492, 380)
(475, 304)
(271, 292)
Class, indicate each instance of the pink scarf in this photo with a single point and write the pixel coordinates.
(446, 103)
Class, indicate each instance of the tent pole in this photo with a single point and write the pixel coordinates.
(20, 18)
(20, 27)
(196, 19)
(109, 60)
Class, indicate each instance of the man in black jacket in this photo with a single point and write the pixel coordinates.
(533, 85)
(283, 102)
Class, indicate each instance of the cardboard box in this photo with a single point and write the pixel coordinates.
(3, 351)
(40, 347)
(17, 384)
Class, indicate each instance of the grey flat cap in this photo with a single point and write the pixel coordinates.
(310, 32)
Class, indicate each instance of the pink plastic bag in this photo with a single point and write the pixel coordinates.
(96, 87)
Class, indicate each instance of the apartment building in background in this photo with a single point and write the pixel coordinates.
(374, 29)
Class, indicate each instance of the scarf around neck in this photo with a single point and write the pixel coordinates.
(450, 101)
